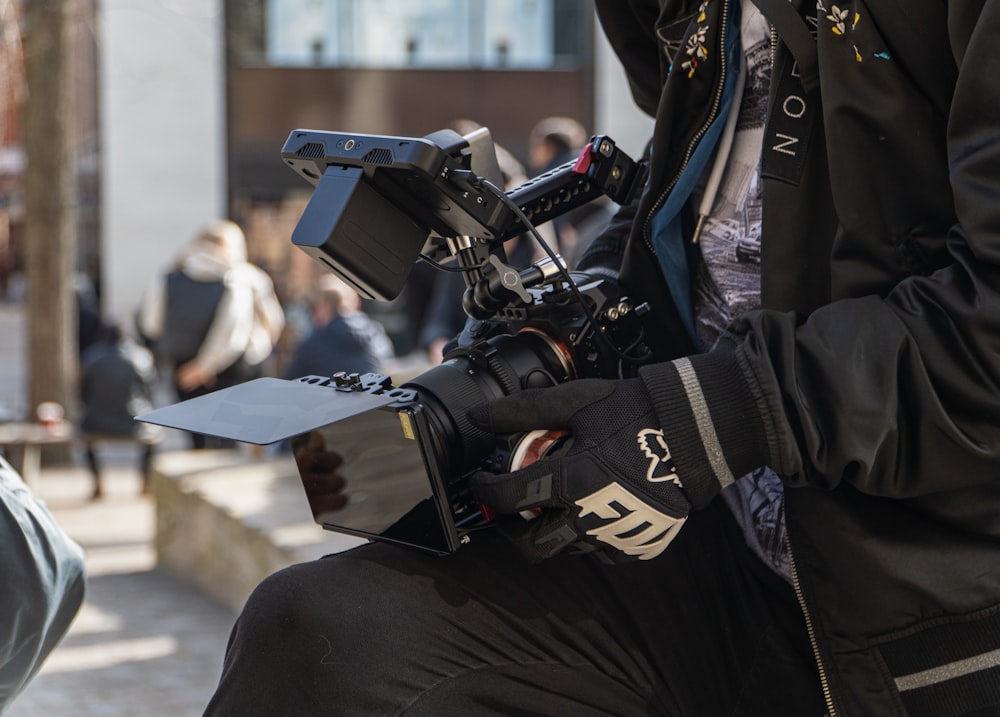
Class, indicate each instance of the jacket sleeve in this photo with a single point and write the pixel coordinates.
(43, 577)
(229, 335)
(897, 394)
(149, 315)
(267, 306)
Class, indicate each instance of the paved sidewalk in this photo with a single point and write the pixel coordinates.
(143, 644)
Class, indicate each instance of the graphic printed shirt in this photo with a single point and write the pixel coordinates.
(728, 280)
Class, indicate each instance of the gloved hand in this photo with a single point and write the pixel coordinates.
(615, 488)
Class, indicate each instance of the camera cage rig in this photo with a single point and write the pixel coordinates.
(381, 203)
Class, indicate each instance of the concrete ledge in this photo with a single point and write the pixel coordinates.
(225, 520)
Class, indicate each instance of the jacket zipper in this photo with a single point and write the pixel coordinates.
(824, 680)
(716, 101)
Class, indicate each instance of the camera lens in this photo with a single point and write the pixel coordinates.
(468, 377)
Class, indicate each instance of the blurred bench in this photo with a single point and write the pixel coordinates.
(22, 444)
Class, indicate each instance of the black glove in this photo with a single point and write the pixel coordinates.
(614, 487)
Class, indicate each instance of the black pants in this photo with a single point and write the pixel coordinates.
(705, 629)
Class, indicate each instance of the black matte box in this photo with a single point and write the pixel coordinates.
(365, 239)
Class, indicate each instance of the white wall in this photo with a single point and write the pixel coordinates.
(615, 114)
(162, 135)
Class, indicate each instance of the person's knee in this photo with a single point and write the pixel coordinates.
(284, 603)
(327, 596)
(310, 623)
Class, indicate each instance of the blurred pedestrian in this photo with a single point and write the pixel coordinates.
(89, 322)
(343, 337)
(117, 380)
(554, 141)
(211, 318)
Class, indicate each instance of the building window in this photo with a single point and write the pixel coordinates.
(431, 34)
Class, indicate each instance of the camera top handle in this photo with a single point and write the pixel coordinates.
(601, 169)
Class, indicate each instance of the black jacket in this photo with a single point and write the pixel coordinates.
(353, 343)
(871, 379)
(117, 380)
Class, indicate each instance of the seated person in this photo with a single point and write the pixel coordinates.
(343, 338)
(117, 377)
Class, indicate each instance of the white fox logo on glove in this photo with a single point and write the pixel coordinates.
(654, 447)
(634, 527)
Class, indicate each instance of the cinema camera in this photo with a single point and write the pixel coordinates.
(392, 463)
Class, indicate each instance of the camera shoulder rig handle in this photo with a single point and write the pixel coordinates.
(601, 169)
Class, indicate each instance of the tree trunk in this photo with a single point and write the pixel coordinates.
(50, 208)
